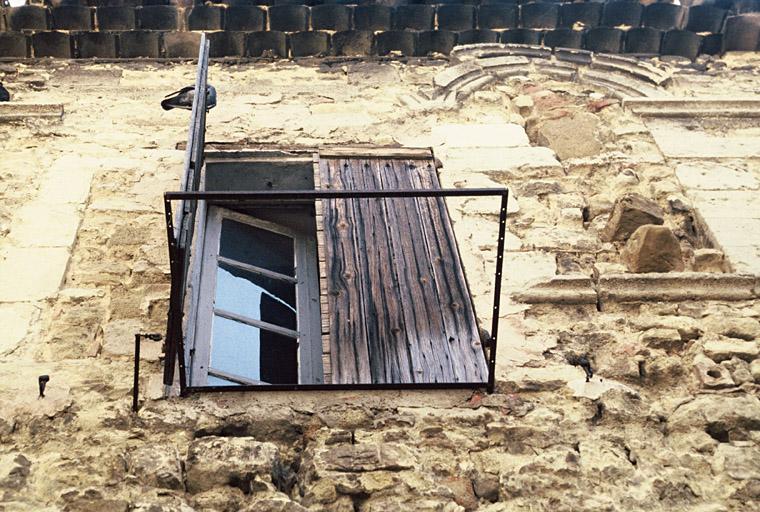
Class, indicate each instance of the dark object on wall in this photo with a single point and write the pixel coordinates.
(269, 43)
(682, 43)
(158, 17)
(587, 14)
(27, 17)
(96, 44)
(139, 43)
(205, 17)
(705, 18)
(477, 36)
(4, 94)
(583, 362)
(331, 17)
(401, 41)
(643, 40)
(742, 33)
(456, 17)
(436, 41)
(604, 40)
(14, 44)
(539, 15)
(352, 43)
(71, 17)
(622, 13)
(245, 18)
(289, 18)
(304, 44)
(712, 44)
(115, 18)
(42, 381)
(226, 44)
(498, 16)
(182, 45)
(184, 98)
(663, 16)
(521, 36)
(414, 17)
(372, 17)
(52, 44)
(563, 38)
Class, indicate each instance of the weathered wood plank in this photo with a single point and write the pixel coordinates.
(384, 153)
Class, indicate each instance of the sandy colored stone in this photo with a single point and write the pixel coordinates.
(629, 213)
(480, 135)
(708, 260)
(653, 249)
(30, 274)
(726, 348)
(573, 136)
(17, 319)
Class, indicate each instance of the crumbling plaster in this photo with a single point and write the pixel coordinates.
(670, 421)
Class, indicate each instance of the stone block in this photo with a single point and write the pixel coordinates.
(414, 17)
(712, 176)
(71, 17)
(711, 375)
(27, 17)
(477, 36)
(52, 44)
(498, 16)
(182, 44)
(139, 43)
(289, 18)
(584, 14)
(238, 461)
(573, 136)
(456, 17)
(706, 18)
(352, 43)
(521, 36)
(653, 248)
(372, 17)
(311, 43)
(16, 320)
(622, 13)
(331, 17)
(31, 274)
(14, 44)
(675, 287)
(96, 44)
(663, 16)
(708, 260)
(226, 44)
(629, 213)
(742, 33)
(712, 44)
(359, 458)
(115, 18)
(565, 289)
(435, 41)
(723, 349)
(682, 43)
(539, 15)
(245, 18)
(497, 159)
(269, 43)
(30, 227)
(643, 40)
(205, 17)
(158, 17)
(156, 465)
(480, 135)
(401, 41)
(563, 38)
(604, 40)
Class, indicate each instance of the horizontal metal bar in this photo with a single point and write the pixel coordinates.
(257, 270)
(282, 331)
(340, 387)
(333, 194)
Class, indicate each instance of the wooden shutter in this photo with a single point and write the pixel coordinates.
(398, 309)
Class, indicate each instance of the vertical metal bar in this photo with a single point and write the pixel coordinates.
(497, 292)
(135, 387)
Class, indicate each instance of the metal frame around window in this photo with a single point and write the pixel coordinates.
(306, 280)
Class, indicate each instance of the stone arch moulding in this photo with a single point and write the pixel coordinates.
(474, 66)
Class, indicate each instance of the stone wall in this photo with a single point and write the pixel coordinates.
(669, 420)
(290, 30)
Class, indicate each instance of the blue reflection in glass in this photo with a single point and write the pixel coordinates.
(236, 348)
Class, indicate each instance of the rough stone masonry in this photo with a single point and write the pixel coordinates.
(669, 421)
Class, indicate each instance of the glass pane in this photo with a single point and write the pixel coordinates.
(257, 247)
(217, 381)
(255, 296)
(253, 353)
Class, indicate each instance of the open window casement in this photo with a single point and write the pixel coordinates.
(344, 291)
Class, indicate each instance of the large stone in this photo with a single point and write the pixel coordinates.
(708, 260)
(157, 465)
(236, 461)
(480, 135)
(653, 249)
(570, 137)
(742, 328)
(721, 349)
(366, 457)
(738, 462)
(28, 274)
(629, 213)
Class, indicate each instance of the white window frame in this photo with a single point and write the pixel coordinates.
(307, 334)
